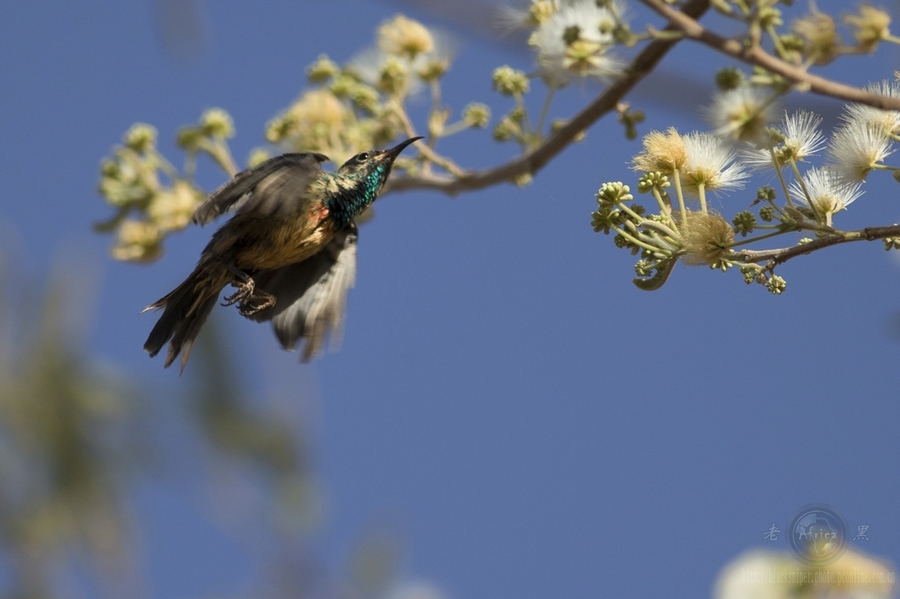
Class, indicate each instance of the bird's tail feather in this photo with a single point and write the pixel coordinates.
(185, 310)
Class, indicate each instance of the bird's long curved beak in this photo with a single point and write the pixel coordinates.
(395, 151)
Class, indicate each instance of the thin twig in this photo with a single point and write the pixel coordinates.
(531, 162)
(756, 55)
(781, 255)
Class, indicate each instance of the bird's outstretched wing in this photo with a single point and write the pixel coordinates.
(311, 294)
(270, 183)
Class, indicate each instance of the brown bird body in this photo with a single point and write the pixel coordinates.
(292, 233)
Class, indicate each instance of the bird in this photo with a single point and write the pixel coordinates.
(289, 249)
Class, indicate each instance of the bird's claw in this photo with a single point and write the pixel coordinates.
(249, 299)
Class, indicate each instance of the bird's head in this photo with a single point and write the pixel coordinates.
(373, 166)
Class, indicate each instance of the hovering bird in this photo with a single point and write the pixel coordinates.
(290, 250)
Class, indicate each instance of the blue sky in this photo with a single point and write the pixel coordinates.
(533, 424)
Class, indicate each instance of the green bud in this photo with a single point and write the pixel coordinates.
(621, 241)
(765, 194)
(476, 115)
(109, 169)
(767, 213)
(509, 81)
(393, 76)
(277, 129)
(792, 42)
(613, 193)
(622, 34)
(750, 271)
(744, 222)
(140, 137)
(257, 157)
(342, 86)
(604, 219)
(216, 122)
(322, 70)
(506, 129)
(433, 70)
(729, 78)
(137, 241)
(776, 285)
(365, 98)
(770, 17)
(188, 138)
(523, 180)
(643, 268)
(653, 180)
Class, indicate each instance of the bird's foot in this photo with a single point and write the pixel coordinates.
(257, 302)
(245, 291)
(249, 299)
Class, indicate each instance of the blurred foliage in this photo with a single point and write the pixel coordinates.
(65, 446)
(76, 436)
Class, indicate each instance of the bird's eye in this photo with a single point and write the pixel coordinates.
(362, 156)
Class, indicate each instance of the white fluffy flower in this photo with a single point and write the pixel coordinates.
(802, 139)
(710, 164)
(574, 42)
(856, 148)
(826, 190)
(887, 119)
(532, 15)
(742, 113)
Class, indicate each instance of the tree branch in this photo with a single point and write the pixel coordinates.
(781, 255)
(755, 55)
(531, 162)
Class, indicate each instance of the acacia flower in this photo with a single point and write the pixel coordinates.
(404, 36)
(538, 11)
(706, 238)
(404, 71)
(710, 164)
(800, 139)
(870, 26)
(856, 148)
(574, 42)
(742, 113)
(828, 193)
(663, 152)
(887, 119)
(822, 42)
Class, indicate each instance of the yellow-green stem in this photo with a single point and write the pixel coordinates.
(757, 238)
(809, 198)
(781, 181)
(776, 41)
(664, 208)
(545, 109)
(638, 242)
(680, 195)
(631, 212)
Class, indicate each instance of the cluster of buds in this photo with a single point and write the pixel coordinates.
(361, 104)
(572, 39)
(698, 163)
(151, 198)
(350, 108)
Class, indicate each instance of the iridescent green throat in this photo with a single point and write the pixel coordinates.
(353, 198)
